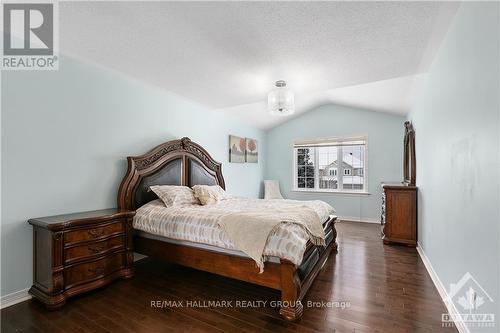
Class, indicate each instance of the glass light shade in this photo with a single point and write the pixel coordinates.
(280, 102)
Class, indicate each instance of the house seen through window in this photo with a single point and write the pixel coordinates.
(334, 165)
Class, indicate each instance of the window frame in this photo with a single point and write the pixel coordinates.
(340, 170)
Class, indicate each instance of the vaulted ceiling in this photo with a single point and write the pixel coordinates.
(227, 55)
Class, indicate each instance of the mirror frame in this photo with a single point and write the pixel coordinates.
(409, 162)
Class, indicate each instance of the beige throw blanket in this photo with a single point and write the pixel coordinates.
(249, 230)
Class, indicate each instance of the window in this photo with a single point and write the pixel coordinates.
(333, 165)
(305, 168)
(327, 171)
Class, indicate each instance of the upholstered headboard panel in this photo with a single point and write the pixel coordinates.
(177, 162)
(198, 175)
(169, 174)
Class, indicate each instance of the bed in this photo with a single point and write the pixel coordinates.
(184, 162)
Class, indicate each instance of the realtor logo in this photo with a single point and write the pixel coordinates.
(29, 36)
(475, 307)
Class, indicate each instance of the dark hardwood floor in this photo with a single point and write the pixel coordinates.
(387, 289)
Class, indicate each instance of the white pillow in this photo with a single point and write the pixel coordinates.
(173, 195)
(209, 194)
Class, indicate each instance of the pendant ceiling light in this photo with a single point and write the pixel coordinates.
(280, 101)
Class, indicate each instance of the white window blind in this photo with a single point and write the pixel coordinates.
(331, 142)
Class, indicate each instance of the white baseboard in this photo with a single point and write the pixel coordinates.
(14, 298)
(358, 219)
(452, 310)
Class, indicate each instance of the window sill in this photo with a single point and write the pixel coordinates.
(331, 192)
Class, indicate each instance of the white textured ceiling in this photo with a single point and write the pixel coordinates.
(227, 55)
(388, 96)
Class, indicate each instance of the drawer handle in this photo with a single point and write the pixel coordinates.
(94, 249)
(96, 270)
(95, 233)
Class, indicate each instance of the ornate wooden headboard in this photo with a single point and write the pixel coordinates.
(176, 162)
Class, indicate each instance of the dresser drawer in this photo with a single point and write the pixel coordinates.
(85, 272)
(93, 233)
(78, 252)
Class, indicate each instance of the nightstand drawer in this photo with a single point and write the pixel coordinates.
(89, 271)
(93, 233)
(75, 253)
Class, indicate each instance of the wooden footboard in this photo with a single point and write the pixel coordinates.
(292, 281)
(296, 281)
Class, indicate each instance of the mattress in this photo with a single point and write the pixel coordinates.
(198, 225)
(201, 246)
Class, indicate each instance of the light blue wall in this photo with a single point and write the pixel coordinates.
(385, 151)
(65, 136)
(456, 119)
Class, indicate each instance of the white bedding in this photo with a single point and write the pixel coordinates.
(199, 224)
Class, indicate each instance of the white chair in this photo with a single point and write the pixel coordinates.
(272, 189)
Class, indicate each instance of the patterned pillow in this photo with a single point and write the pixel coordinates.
(209, 194)
(173, 195)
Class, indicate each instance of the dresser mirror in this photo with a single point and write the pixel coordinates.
(409, 163)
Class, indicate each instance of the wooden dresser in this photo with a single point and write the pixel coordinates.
(79, 252)
(399, 214)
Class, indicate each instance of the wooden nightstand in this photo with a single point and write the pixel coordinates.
(79, 252)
